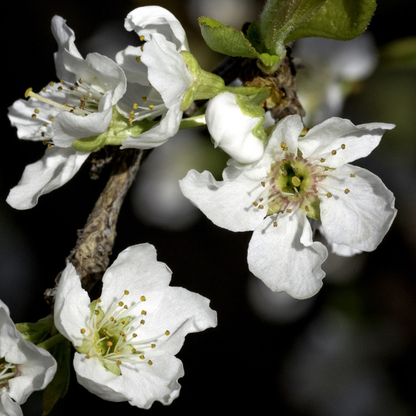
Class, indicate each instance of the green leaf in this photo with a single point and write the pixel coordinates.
(58, 387)
(280, 17)
(337, 19)
(225, 39)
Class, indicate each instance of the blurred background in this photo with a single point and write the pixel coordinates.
(350, 350)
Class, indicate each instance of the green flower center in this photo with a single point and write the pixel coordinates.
(113, 336)
(291, 184)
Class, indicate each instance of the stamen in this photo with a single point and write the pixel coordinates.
(29, 93)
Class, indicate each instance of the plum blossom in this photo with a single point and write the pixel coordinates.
(299, 178)
(127, 339)
(79, 106)
(158, 62)
(234, 130)
(24, 368)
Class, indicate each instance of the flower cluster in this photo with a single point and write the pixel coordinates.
(294, 188)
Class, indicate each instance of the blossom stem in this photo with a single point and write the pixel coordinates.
(194, 121)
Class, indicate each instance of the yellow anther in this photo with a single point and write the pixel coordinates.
(275, 224)
(134, 335)
(167, 333)
(36, 111)
(261, 206)
(96, 312)
(263, 184)
(142, 38)
(329, 194)
(143, 298)
(347, 191)
(343, 146)
(144, 312)
(99, 300)
(144, 98)
(122, 333)
(118, 362)
(153, 345)
(151, 107)
(138, 59)
(141, 357)
(150, 362)
(306, 208)
(289, 211)
(88, 356)
(133, 351)
(334, 152)
(120, 303)
(83, 331)
(352, 175)
(33, 115)
(322, 160)
(255, 203)
(282, 145)
(142, 321)
(109, 344)
(135, 106)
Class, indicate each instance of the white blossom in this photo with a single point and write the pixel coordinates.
(233, 130)
(157, 74)
(24, 368)
(127, 339)
(77, 107)
(297, 178)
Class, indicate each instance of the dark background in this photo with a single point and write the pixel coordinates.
(347, 351)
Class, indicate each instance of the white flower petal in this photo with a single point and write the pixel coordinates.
(285, 258)
(359, 141)
(156, 382)
(137, 271)
(72, 311)
(232, 130)
(229, 203)
(181, 312)
(68, 127)
(8, 332)
(149, 20)
(286, 131)
(36, 366)
(159, 134)
(98, 380)
(134, 71)
(20, 116)
(55, 169)
(167, 70)
(8, 407)
(65, 38)
(361, 218)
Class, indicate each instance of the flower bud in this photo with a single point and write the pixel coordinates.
(236, 125)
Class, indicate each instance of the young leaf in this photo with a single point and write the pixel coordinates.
(225, 39)
(337, 19)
